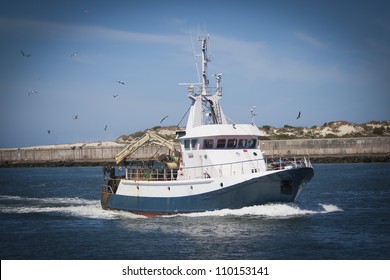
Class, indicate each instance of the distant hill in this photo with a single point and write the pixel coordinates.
(335, 129)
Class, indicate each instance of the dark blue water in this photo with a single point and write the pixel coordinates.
(55, 213)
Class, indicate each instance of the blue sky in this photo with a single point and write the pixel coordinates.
(328, 59)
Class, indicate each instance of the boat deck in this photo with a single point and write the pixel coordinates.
(150, 173)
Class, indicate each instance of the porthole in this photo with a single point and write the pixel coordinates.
(221, 185)
(255, 154)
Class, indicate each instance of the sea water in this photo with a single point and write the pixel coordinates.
(55, 213)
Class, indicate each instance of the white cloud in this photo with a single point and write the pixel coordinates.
(252, 59)
(260, 60)
(47, 29)
(314, 42)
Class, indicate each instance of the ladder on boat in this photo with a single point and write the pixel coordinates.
(217, 111)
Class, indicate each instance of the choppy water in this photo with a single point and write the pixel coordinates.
(55, 213)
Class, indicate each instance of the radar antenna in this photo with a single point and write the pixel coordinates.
(253, 114)
(218, 78)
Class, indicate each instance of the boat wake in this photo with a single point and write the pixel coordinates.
(76, 207)
(277, 210)
(87, 208)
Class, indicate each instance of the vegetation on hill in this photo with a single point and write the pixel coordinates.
(335, 129)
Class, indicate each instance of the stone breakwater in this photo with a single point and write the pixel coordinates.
(319, 150)
(366, 149)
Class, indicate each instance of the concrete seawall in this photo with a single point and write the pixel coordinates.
(314, 148)
(328, 147)
(78, 154)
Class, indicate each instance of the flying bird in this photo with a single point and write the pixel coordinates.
(48, 131)
(120, 82)
(74, 54)
(25, 54)
(163, 119)
(115, 95)
(32, 92)
(75, 117)
(299, 115)
(105, 128)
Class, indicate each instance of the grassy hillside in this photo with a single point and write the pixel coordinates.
(336, 129)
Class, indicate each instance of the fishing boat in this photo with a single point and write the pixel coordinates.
(216, 164)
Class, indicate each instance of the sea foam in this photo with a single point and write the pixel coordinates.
(87, 208)
(276, 210)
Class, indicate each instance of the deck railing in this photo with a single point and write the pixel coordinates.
(215, 170)
(148, 174)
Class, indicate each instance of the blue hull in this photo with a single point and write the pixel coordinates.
(282, 186)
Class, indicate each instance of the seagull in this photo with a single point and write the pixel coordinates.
(299, 115)
(48, 131)
(25, 54)
(115, 95)
(120, 82)
(105, 128)
(75, 117)
(163, 119)
(32, 92)
(74, 54)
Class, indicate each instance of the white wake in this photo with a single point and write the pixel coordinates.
(276, 210)
(87, 208)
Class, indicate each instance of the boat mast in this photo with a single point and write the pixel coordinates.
(203, 96)
(205, 60)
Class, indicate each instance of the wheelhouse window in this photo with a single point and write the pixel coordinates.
(191, 144)
(187, 144)
(242, 143)
(208, 143)
(231, 143)
(194, 144)
(221, 143)
(252, 143)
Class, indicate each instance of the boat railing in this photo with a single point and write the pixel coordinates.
(151, 174)
(215, 170)
(198, 89)
(243, 167)
(107, 189)
(278, 163)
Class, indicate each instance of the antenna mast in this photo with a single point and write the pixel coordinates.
(195, 58)
(205, 60)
